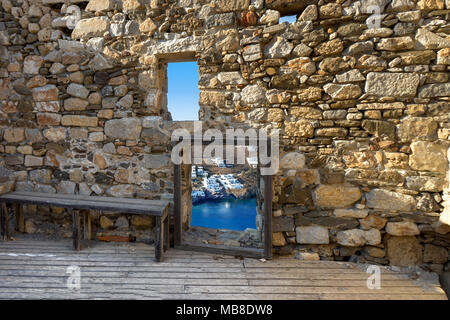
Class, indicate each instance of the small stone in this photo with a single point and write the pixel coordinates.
(435, 90)
(435, 254)
(30, 226)
(343, 91)
(233, 78)
(100, 161)
(278, 48)
(45, 93)
(96, 44)
(106, 223)
(155, 161)
(77, 77)
(92, 27)
(360, 48)
(350, 213)
(388, 200)
(141, 222)
(312, 235)
(126, 102)
(307, 256)
(48, 119)
(302, 65)
(300, 128)
(252, 53)
(351, 238)
(79, 121)
(336, 196)
(310, 94)
(404, 251)
(431, 4)
(100, 5)
(431, 156)
(405, 228)
(122, 191)
(278, 239)
(126, 128)
(292, 160)
(443, 56)
(96, 136)
(57, 68)
(32, 161)
(95, 98)
(329, 48)
(310, 13)
(55, 134)
(372, 221)
(66, 187)
(302, 50)
(270, 17)
(396, 44)
(121, 91)
(99, 62)
(122, 223)
(40, 176)
(32, 64)
(253, 94)
(148, 26)
(77, 90)
(424, 183)
(417, 128)
(392, 84)
(14, 135)
(330, 10)
(75, 104)
(350, 76)
(428, 40)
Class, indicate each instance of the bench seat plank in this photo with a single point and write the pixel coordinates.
(145, 207)
(96, 198)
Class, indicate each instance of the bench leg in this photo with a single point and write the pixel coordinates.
(20, 220)
(4, 221)
(159, 239)
(76, 230)
(87, 229)
(166, 233)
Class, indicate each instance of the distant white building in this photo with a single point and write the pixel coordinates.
(252, 161)
(229, 181)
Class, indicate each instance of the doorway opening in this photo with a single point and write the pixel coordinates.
(224, 204)
(253, 243)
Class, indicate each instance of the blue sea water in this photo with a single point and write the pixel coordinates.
(235, 214)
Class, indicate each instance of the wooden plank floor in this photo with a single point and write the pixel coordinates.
(37, 269)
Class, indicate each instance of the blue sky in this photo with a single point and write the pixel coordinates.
(183, 93)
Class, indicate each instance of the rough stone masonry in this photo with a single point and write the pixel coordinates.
(362, 102)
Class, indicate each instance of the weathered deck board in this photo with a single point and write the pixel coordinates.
(36, 269)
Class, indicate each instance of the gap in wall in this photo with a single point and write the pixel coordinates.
(288, 19)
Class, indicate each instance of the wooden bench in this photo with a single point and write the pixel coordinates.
(157, 208)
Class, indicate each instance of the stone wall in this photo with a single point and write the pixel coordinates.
(362, 102)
